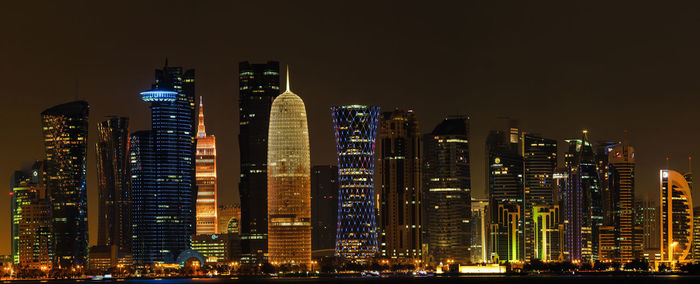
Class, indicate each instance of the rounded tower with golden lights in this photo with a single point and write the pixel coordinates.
(288, 182)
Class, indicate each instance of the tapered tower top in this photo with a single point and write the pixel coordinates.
(201, 130)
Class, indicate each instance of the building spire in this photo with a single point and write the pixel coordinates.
(201, 131)
(288, 90)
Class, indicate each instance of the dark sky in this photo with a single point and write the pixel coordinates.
(558, 67)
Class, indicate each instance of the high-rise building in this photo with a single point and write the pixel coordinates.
(602, 151)
(447, 190)
(540, 160)
(324, 207)
(355, 135)
(626, 245)
(505, 185)
(647, 217)
(24, 187)
(229, 218)
(65, 129)
(289, 181)
(479, 229)
(399, 188)
(36, 239)
(163, 170)
(676, 216)
(206, 178)
(696, 234)
(582, 215)
(546, 237)
(258, 87)
(114, 207)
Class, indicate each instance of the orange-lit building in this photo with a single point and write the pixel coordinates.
(676, 216)
(206, 178)
(288, 182)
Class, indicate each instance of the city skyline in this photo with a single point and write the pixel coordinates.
(471, 89)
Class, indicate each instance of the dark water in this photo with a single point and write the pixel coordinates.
(499, 279)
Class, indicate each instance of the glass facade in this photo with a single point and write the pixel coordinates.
(676, 217)
(540, 160)
(65, 129)
(355, 135)
(289, 182)
(114, 223)
(258, 86)
(324, 207)
(206, 178)
(163, 170)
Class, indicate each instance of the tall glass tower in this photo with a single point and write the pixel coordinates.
(540, 160)
(289, 181)
(355, 135)
(114, 223)
(163, 170)
(206, 178)
(65, 140)
(259, 85)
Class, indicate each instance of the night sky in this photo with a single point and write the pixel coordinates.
(557, 67)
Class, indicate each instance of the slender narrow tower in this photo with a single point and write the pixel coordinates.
(288, 182)
(206, 178)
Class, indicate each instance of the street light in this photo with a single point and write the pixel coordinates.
(673, 252)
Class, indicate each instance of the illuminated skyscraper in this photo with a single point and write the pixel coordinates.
(114, 207)
(676, 217)
(289, 181)
(259, 85)
(324, 208)
(582, 206)
(399, 189)
(479, 229)
(647, 217)
(23, 192)
(505, 185)
(546, 238)
(35, 242)
(355, 135)
(540, 160)
(163, 170)
(447, 198)
(229, 219)
(206, 178)
(65, 129)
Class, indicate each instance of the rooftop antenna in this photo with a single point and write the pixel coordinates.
(288, 90)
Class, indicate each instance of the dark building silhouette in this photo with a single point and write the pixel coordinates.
(114, 217)
(399, 166)
(163, 170)
(65, 129)
(540, 160)
(324, 207)
(258, 87)
(447, 191)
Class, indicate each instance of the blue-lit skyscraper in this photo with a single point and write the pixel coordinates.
(355, 135)
(163, 170)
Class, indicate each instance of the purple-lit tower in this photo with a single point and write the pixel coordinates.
(355, 135)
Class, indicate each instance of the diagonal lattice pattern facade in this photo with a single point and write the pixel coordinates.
(355, 134)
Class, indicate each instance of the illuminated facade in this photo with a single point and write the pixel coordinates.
(479, 229)
(259, 85)
(229, 218)
(217, 248)
(26, 185)
(65, 129)
(646, 216)
(545, 223)
(163, 170)
(288, 181)
(324, 208)
(540, 160)
(505, 233)
(114, 207)
(676, 217)
(399, 188)
(206, 178)
(355, 135)
(582, 202)
(36, 239)
(696, 234)
(447, 190)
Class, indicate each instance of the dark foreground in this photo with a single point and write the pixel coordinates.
(496, 279)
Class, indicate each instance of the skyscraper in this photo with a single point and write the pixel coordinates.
(540, 160)
(229, 219)
(355, 135)
(324, 207)
(400, 190)
(546, 234)
(505, 185)
(114, 207)
(676, 216)
(206, 178)
(447, 181)
(163, 170)
(647, 216)
(627, 245)
(24, 187)
(65, 129)
(258, 87)
(479, 229)
(289, 181)
(581, 215)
